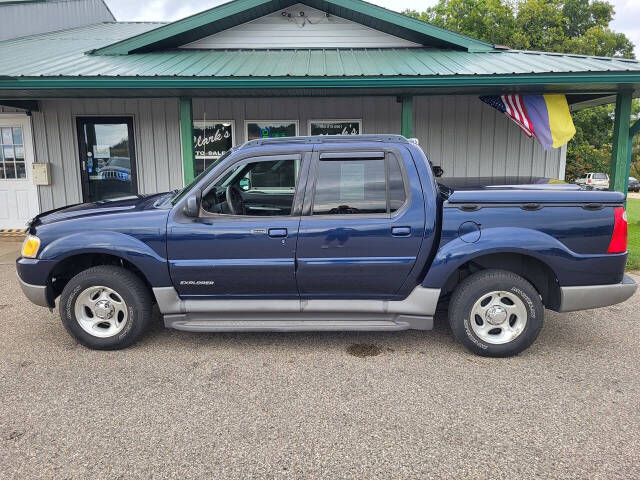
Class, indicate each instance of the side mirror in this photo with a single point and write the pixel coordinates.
(192, 207)
(437, 170)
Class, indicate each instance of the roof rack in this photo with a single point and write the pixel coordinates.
(327, 139)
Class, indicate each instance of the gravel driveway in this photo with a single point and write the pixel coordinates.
(181, 405)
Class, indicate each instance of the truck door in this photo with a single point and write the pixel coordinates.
(243, 243)
(362, 225)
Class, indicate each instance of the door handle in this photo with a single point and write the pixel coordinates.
(277, 232)
(401, 231)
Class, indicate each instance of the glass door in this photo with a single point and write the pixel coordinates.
(107, 157)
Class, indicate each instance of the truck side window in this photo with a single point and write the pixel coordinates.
(358, 186)
(261, 188)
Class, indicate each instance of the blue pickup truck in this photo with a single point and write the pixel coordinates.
(329, 233)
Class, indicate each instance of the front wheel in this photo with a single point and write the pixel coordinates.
(496, 313)
(106, 307)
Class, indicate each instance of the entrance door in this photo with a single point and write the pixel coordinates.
(18, 194)
(107, 157)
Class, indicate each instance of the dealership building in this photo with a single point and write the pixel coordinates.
(92, 108)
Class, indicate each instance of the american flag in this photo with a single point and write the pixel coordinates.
(513, 107)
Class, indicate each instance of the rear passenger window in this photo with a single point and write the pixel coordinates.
(358, 186)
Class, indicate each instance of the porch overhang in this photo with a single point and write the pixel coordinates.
(583, 89)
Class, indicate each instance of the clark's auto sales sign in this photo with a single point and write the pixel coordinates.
(211, 139)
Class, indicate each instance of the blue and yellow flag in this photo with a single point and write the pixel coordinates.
(546, 117)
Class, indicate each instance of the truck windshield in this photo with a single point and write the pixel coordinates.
(187, 188)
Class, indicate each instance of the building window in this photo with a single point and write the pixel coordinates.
(255, 129)
(12, 153)
(211, 138)
(335, 127)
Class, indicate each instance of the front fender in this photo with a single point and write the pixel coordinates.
(142, 256)
(569, 267)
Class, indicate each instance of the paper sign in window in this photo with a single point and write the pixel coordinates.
(102, 151)
(352, 181)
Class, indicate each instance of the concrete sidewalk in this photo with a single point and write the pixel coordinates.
(10, 250)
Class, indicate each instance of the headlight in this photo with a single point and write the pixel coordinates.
(30, 246)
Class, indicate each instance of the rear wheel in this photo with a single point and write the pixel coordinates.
(496, 313)
(106, 307)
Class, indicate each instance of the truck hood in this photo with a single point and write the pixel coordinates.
(86, 210)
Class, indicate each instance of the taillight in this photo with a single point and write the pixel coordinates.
(618, 242)
(589, 180)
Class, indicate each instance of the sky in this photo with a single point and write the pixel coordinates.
(627, 11)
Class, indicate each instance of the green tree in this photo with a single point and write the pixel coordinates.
(567, 26)
(488, 20)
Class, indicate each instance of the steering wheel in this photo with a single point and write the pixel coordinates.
(234, 200)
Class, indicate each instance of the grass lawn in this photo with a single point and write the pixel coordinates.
(633, 217)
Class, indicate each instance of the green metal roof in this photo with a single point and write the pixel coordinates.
(236, 12)
(58, 60)
(63, 53)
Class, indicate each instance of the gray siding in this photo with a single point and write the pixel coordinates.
(157, 143)
(378, 114)
(30, 18)
(276, 31)
(460, 133)
(467, 138)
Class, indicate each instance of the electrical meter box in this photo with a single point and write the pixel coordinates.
(41, 173)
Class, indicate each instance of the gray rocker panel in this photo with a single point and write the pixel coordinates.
(421, 301)
(414, 312)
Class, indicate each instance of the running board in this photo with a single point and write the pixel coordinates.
(205, 323)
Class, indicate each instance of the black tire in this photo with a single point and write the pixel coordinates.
(472, 289)
(133, 291)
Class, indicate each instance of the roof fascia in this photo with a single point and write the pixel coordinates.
(616, 79)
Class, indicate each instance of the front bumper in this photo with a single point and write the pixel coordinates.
(32, 272)
(38, 294)
(596, 296)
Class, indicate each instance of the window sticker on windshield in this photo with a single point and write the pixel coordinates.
(352, 181)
